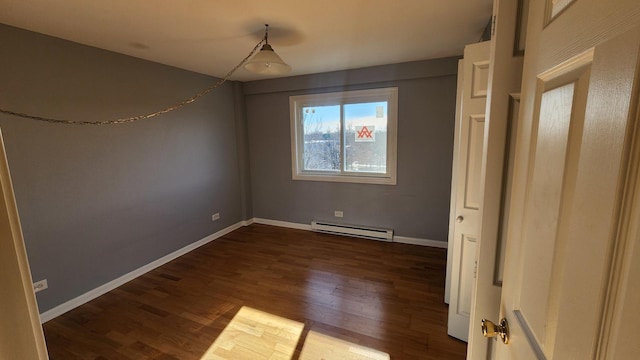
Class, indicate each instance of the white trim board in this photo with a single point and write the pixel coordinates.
(105, 288)
(284, 224)
(421, 242)
(398, 239)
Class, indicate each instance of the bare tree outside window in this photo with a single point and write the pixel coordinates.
(321, 143)
(348, 136)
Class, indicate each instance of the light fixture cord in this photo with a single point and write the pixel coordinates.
(140, 117)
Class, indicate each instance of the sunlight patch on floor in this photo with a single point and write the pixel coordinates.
(253, 334)
(319, 346)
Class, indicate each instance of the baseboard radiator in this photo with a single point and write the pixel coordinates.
(353, 230)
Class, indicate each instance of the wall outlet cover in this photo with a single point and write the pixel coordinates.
(40, 285)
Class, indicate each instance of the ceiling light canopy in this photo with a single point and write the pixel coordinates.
(267, 62)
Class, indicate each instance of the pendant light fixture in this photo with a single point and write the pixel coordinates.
(267, 62)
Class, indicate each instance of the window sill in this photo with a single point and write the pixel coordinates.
(378, 180)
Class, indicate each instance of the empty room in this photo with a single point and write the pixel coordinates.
(409, 179)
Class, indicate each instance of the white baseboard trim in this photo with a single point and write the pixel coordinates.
(285, 224)
(398, 239)
(103, 289)
(421, 242)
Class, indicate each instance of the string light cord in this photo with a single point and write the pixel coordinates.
(139, 117)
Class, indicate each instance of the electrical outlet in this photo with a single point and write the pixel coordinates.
(40, 285)
(338, 214)
(215, 216)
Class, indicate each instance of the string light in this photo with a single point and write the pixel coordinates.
(139, 117)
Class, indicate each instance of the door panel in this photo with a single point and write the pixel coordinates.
(466, 192)
(467, 265)
(572, 156)
(475, 138)
(480, 79)
(551, 183)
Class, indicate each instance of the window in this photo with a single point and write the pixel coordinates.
(345, 136)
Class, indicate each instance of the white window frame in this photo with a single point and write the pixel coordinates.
(297, 103)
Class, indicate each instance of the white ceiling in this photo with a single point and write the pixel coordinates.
(212, 36)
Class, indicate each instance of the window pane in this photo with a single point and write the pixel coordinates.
(321, 131)
(347, 136)
(365, 137)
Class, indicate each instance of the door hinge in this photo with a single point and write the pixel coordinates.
(493, 26)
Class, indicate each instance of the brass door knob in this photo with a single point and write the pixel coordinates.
(489, 329)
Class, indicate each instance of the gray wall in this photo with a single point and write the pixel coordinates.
(97, 202)
(418, 206)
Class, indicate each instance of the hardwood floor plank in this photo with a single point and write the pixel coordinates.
(385, 296)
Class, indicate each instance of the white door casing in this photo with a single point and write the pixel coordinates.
(21, 335)
(466, 188)
(505, 73)
(571, 250)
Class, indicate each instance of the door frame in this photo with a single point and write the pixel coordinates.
(21, 335)
(505, 74)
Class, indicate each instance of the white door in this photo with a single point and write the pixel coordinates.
(21, 334)
(452, 205)
(573, 223)
(466, 186)
(505, 74)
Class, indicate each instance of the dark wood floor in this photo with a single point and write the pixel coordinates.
(386, 296)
